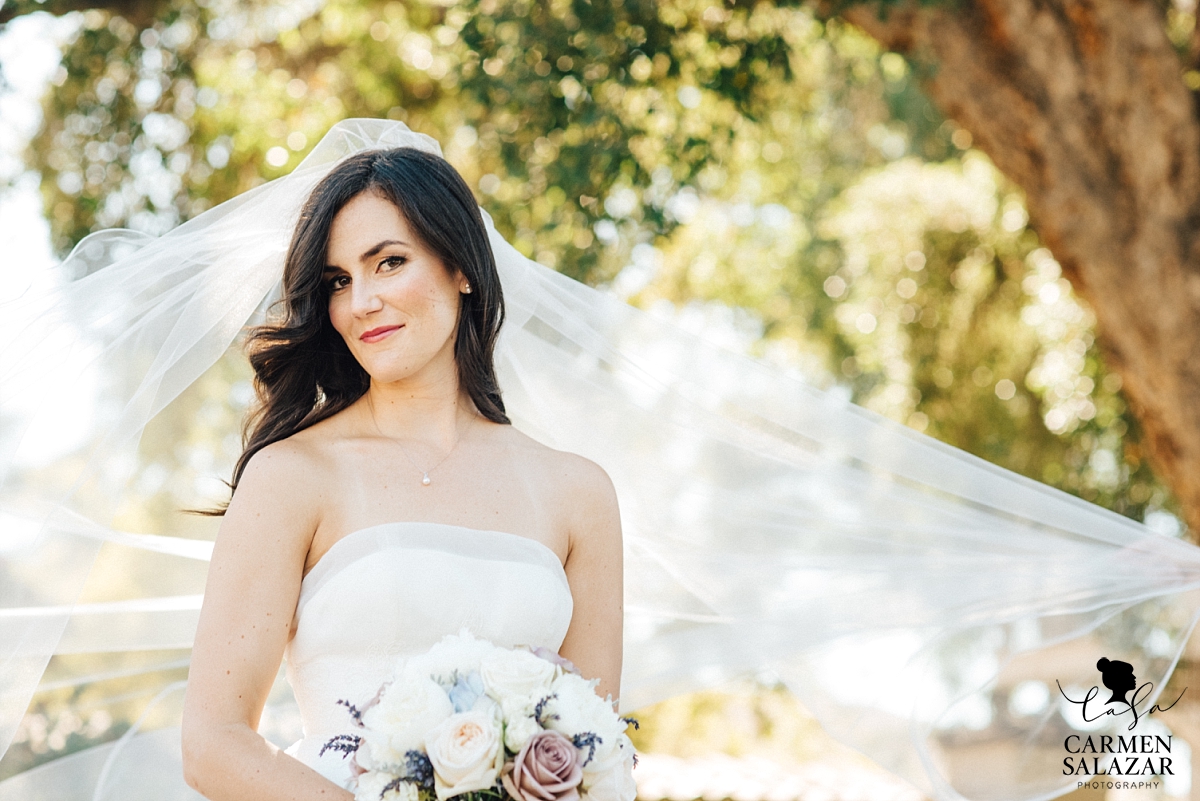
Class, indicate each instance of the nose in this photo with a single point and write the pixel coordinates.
(364, 298)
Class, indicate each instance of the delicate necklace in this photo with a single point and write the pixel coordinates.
(425, 480)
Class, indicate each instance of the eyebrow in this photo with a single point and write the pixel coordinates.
(374, 251)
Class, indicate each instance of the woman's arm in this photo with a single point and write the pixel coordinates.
(595, 571)
(249, 600)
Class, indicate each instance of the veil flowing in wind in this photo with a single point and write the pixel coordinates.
(924, 604)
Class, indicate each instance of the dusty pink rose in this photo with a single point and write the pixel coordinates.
(547, 769)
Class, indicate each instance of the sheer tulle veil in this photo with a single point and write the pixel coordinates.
(924, 604)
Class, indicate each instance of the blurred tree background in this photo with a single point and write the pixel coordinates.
(767, 175)
(775, 176)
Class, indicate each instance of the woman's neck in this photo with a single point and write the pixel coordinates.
(434, 414)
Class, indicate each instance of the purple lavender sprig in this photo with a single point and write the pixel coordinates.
(540, 709)
(631, 720)
(418, 769)
(588, 740)
(394, 784)
(355, 712)
(346, 743)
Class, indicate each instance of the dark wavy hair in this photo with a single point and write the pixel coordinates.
(303, 371)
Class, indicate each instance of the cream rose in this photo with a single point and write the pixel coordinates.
(407, 708)
(615, 781)
(580, 710)
(515, 675)
(466, 753)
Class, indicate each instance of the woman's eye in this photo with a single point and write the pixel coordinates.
(393, 262)
(338, 282)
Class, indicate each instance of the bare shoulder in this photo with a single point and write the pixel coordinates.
(584, 480)
(584, 498)
(293, 458)
(580, 490)
(282, 479)
(572, 475)
(592, 496)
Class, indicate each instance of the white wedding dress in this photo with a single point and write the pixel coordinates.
(394, 590)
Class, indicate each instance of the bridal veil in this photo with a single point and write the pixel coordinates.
(924, 604)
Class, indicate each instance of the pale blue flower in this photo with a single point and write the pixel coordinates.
(465, 691)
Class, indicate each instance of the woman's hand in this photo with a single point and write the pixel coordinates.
(249, 601)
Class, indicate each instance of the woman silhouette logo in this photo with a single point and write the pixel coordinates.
(1118, 677)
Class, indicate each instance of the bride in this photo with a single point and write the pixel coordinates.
(922, 603)
(379, 405)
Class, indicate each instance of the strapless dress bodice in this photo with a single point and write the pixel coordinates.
(395, 590)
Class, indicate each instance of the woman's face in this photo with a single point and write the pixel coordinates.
(392, 299)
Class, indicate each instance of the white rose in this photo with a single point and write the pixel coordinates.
(615, 782)
(466, 753)
(408, 708)
(370, 788)
(515, 675)
(517, 732)
(460, 652)
(487, 706)
(580, 710)
(605, 761)
(513, 708)
(364, 759)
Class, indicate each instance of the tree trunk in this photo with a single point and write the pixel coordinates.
(1081, 103)
(1184, 718)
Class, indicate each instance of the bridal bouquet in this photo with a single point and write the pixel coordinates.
(473, 720)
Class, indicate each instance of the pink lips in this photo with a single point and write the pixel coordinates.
(376, 334)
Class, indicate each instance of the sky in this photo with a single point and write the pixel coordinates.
(29, 56)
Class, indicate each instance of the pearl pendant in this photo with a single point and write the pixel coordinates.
(426, 479)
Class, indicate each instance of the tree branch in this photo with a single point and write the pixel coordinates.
(140, 12)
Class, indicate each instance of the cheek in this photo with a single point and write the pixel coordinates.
(338, 314)
(424, 297)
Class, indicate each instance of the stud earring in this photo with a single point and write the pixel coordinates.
(468, 289)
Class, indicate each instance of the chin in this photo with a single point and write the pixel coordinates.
(401, 363)
(389, 372)
(389, 376)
